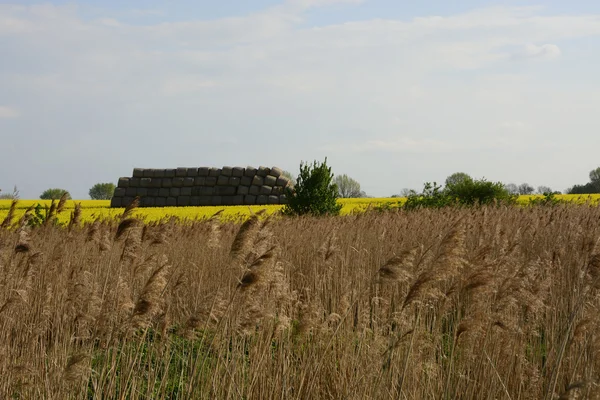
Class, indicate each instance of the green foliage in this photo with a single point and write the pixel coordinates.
(471, 192)
(432, 197)
(457, 178)
(54, 194)
(549, 199)
(170, 364)
(593, 186)
(595, 175)
(315, 192)
(588, 188)
(102, 191)
(39, 216)
(464, 192)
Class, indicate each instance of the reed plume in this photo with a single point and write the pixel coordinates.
(75, 216)
(148, 305)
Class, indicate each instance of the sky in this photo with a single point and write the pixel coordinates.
(393, 93)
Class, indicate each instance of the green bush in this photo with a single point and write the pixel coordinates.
(315, 192)
(549, 199)
(54, 194)
(462, 192)
(470, 192)
(102, 191)
(432, 197)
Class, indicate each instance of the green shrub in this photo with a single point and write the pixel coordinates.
(54, 194)
(470, 192)
(462, 192)
(102, 191)
(588, 188)
(549, 199)
(315, 192)
(432, 197)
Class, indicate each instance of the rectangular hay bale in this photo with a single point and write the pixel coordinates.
(123, 182)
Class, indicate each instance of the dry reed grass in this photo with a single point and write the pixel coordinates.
(477, 303)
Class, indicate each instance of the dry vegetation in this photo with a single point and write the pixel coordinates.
(484, 303)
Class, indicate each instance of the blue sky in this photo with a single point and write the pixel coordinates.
(393, 93)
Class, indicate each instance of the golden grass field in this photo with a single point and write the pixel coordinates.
(93, 209)
(471, 303)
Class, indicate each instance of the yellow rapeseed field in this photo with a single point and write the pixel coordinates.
(94, 209)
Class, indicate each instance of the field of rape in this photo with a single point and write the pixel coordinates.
(100, 209)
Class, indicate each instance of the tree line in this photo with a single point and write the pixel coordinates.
(347, 187)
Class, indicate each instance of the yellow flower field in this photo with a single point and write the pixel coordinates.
(94, 209)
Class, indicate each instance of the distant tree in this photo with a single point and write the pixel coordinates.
(526, 188)
(9, 196)
(471, 192)
(54, 194)
(544, 189)
(290, 176)
(315, 192)
(595, 175)
(511, 188)
(593, 186)
(457, 178)
(348, 187)
(405, 192)
(102, 191)
(588, 188)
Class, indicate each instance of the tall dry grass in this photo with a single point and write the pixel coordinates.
(484, 303)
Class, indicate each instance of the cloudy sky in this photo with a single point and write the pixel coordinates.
(393, 93)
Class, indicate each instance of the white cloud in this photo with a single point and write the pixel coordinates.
(186, 84)
(545, 51)
(9, 112)
(518, 126)
(145, 12)
(425, 88)
(112, 22)
(391, 145)
(305, 4)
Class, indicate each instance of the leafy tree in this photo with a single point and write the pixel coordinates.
(525, 188)
(315, 192)
(432, 197)
(595, 175)
(470, 192)
(588, 188)
(348, 187)
(511, 188)
(591, 187)
(457, 178)
(405, 192)
(102, 191)
(54, 194)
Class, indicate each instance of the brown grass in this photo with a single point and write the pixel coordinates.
(455, 303)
